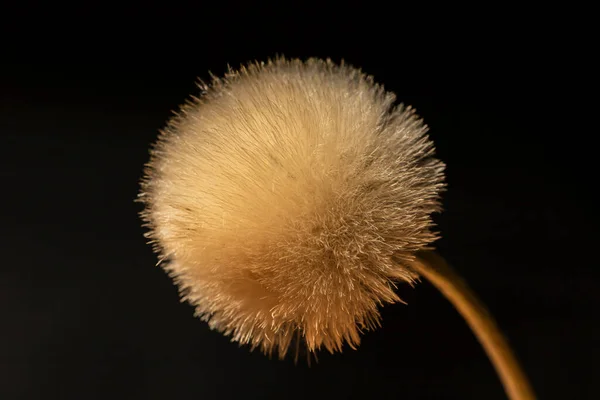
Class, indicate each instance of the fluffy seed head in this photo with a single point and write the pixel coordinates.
(285, 200)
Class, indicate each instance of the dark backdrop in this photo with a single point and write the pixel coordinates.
(87, 314)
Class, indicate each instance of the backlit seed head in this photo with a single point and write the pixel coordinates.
(285, 200)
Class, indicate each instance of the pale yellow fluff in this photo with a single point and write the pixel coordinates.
(286, 200)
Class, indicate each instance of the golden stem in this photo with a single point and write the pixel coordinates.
(454, 288)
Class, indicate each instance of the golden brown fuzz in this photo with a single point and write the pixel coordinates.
(288, 198)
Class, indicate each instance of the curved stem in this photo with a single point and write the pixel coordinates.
(453, 287)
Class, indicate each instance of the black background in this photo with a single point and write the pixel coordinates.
(85, 312)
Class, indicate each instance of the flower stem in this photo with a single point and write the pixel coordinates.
(435, 269)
